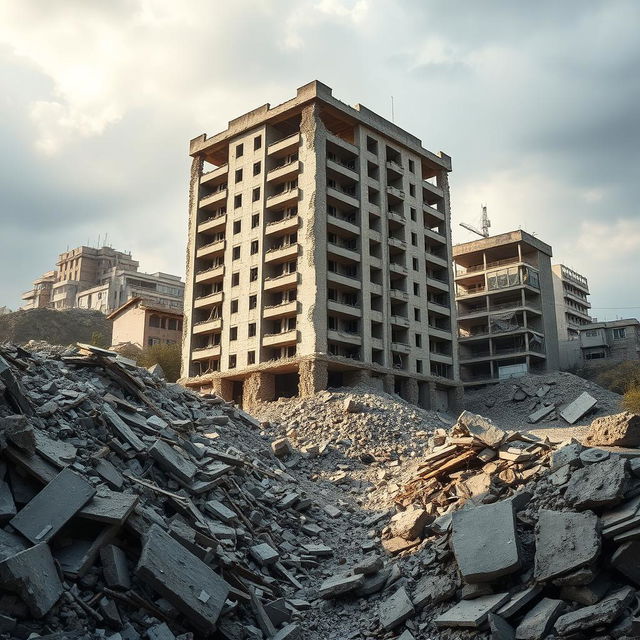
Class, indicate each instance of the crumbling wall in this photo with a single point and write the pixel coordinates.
(313, 377)
(258, 387)
(223, 388)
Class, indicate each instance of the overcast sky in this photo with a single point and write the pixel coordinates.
(537, 103)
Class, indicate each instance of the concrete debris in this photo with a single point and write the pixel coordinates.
(396, 609)
(598, 485)
(619, 430)
(582, 405)
(471, 613)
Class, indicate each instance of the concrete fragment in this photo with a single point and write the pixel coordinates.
(591, 456)
(395, 609)
(471, 614)
(565, 542)
(596, 615)
(618, 430)
(540, 413)
(484, 542)
(476, 590)
(53, 507)
(281, 448)
(587, 594)
(172, 462)
(370, 565)
(220, 511)
(7, 505)
(179, 576)
(626, 559)
(122, 430)
(538, 622)
(111, 507)
(339, 585)
(519, 601)
(114, 567)
(264, 554)
(482, 429)
(621, 513)
(290, 632)
(32, 575)
(567, 455)
(597, 485)
(409, 524)
(433, 590)
(500, 628)
(581, 405)
(109, 474)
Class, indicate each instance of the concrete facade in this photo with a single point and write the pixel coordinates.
(505, 307)
(143, 324)
(102, 279)
(318, 255)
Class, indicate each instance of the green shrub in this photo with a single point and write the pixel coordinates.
(631, 400)
(621, 377)
(168, 356)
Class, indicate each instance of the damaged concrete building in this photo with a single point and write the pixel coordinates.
(505, 307)
(319, 255)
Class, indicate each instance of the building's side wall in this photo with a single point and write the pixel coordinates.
(129, 326)
(548, 312)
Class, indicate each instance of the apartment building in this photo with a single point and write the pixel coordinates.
(505, 307)
(571, 292)
(319, 255)
(101, 279)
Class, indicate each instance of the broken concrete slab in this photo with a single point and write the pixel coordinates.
(541, 413)
(122, 430)
(500, 628)
(621, 513)
(598, 485)
(626, 559)
(565, 541)
(482, 429)
(265, 555)
(179, 576)
(471, 614)
(409, 524)
(567, 455)
(221, 511)
(10, 544)
(395, 609)
(114, 567)
(339, 585)
(173, 462)
(108, 506)
(109, 474)
(7, 504)
(588, 594)
(618, 430)
(433, 590)
(33, 576)
(539, 621)
(519, 601)
(57, 452)
(596, 615)
(484, 542)
(53, 507)
(592, 456)
(578, 408)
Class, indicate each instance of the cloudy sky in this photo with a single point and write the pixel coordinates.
(537, 103)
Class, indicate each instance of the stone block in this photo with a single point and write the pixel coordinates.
(433, 590)
(578, 408)
(264, 554)
(538, 622)
(619, 430)
(500, 628)
(519, 601)
(484, 542)
(409, 524)
(565, 542)
(598, 485)
(172, 462)
(471, 614)
(482, 429)
(395, 609)
(626, 559)
(340, 585)
(114, 567)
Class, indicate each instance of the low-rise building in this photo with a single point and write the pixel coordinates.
(571, 292)
(609, 342)
(143, 324)
(39, 296)
(505, 308)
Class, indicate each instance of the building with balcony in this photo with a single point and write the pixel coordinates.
(571, 292)
(101, 279)
(319, 255)
(505, 308)
(606, 343)
(145, 324)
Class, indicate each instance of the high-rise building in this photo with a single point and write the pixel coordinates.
(571, 291)
(505, 307)
(102, 279)
(319, 255)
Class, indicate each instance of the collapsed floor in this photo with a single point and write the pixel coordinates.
(149, 512)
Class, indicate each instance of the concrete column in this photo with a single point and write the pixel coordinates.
(313, 377)
(223, 388)
(359, 376)
(258, 387)
(456, 400)
(389, 383)
(411, 390)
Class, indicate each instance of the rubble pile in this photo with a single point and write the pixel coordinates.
(359, 423)
(523, 402)
(132, 508)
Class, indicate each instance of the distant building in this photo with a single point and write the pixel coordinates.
(101, 279)
(145, 324)
(4, 311)
(571, 291)
(610, 342)
(505, 308)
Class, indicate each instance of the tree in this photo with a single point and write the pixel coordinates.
(98, 340)
(168, 356)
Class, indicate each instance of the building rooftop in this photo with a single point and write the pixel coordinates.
(625, 322)
(501, 240)
(140, 303)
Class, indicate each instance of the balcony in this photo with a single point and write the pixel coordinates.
(210, 249)
(282, 339)
(346, 224)
(394, 216)
(208, 326)
(436, 283)
(397, 243)
(400, 269)
(377, 343)
(281, 282)
(210, 275)
(376, 288)
(204, 353)
(396, 294)
(280, 226)
(344, 336)
(214, 174)
(281, 310)
(432, 211)
(583, 302)
(401, 347)
(339, 167)
(399, 321)
(285, 171)
(433, 234)
(284, 197)
(215, 222)
(214, 198)
(344, 309)
(433, 189)
(348, 197)
(338, 141)
(434, 356)
(348, 281)
(437, 332)
(344, 252)
(282, 253)
(471, 291)
(395, 192)
(291, 142)
(441, 262)
(395, 168)
(438, 307)
(208, 301)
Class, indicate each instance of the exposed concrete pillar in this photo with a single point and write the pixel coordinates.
(359, 376)
(411, 391)
(223, 388)
(433, 400)
(258, 387)
(314, 377)
(389, 383)
(456, 400)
